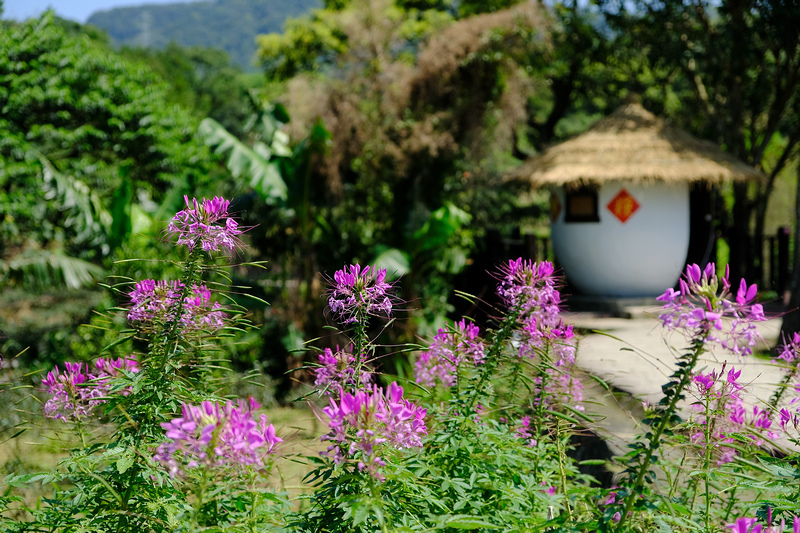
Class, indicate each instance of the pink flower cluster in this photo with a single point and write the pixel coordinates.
(206, 223)
(80, 388)
(337, 371)
(561, 388)
(215, 436)
(449, 350)
(356, 292)
(787, 417)
(705, 305)
(364, 422)
(728, 414)
(157, 301)
(537, 338)
(612, 498)
(524, 431)
(532, 288)
(789, 351)
(751, 525)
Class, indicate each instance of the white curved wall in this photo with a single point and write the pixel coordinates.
(641, 257)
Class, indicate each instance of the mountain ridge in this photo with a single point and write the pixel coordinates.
(231, 25)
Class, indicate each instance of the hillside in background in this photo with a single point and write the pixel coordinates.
(228, 24)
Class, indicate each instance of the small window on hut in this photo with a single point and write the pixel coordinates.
(581, 205)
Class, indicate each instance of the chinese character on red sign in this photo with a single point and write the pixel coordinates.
(623, 205)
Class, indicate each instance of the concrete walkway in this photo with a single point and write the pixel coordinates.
(636, 356)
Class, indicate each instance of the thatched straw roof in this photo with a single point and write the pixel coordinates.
(632, 144)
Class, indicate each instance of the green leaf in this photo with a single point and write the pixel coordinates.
(280, 113)
(35, 268)
(124, 463)
(467, 522)
(121, 220)
(395, 261)
(564, 416)
(121, 340)
(360, 513)
(265, 176)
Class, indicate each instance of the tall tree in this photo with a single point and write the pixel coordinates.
(575, 68)
(410, 95)
(734, 67)
(79, 125)
(203, 81)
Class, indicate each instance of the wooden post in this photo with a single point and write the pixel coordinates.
(783, 259)
(773, 264)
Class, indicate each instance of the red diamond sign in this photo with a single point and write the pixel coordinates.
(623, 205)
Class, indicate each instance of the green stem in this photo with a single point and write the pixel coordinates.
(693, 490)
(539, 400)
(492, 358)
(254, 504)
(360, 343)
(729, 507)
(779, 392)
(200, 492)
(105, 483)
(562, 456)
(79, 429)
(376, 497)
(663, 419)
(165, 348)
(122, 522)
(707, 461)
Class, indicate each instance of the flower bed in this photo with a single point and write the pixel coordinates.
(480, 438)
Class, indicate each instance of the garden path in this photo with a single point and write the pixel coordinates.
(634, 356)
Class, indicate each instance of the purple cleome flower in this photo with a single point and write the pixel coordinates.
(704, 304)
(336, 370)
(537, 337)
(449, 350)
(363, 422)
(356, 292)
(729, 416)
(751, 525)
(789, 350)
(156, 301)
(207, 224)
(524, 431)
(153, 299)
(533, 288)
(78, 391)
(561, 388)
(217, 437)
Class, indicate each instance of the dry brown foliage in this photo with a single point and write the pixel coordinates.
(464, 94)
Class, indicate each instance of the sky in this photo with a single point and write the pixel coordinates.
(77, 10)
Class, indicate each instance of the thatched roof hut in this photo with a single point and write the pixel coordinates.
(623, 209)
(633, 145)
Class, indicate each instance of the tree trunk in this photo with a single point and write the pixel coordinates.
(739, 235)
(791, 320)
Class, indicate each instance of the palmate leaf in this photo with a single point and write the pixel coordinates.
(265, 176)
(42, 268)
(85, 207)
(396, 262)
